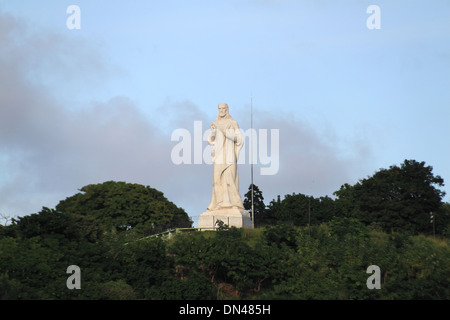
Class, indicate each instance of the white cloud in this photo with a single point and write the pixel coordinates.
(50, 148)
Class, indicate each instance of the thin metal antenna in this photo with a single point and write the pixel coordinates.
(251, 156)
(309, 216)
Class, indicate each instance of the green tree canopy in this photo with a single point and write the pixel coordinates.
(397, 199)
(54, 223)
(259, 207)
(258, 200)
(300, 209)
(121, 206)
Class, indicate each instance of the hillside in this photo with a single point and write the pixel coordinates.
(102, 243)
(278, 262)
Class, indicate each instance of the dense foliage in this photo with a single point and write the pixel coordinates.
(258, 201)
(278, 262)
(309, 248)
(120, 206)
(399, 199)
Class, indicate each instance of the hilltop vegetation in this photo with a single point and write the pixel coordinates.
(327, 262)
(403, 198)
(304, 247)
(278, 262)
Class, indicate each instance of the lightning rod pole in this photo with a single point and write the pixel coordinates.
(251, 157)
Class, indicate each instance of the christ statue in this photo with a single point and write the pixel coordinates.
(227, 140)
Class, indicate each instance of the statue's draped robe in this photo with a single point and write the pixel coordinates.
(226, 146)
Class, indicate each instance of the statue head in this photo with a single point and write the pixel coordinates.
(223, 112)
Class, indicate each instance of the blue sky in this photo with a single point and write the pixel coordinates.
(100, 103)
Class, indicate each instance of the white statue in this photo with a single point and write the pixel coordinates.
(227, 141)
(226, 203)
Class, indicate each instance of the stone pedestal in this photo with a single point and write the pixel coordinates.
(233, 217)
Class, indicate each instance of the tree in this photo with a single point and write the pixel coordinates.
(4, 219)
(145, 264)
(120, 206)
(302, 210)
(258, 200)
(442, 218)
(398, 199)
(56, 224)
(259, 207)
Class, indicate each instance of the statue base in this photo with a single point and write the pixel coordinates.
(233, 217)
